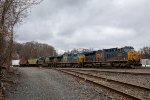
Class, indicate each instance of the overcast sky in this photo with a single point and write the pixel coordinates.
(68, 24)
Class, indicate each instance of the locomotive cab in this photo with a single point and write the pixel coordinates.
(133, 56)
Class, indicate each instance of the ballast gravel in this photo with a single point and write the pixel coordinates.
(48, 84)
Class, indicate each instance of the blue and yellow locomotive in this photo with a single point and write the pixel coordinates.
(116, 57)
(119, 57)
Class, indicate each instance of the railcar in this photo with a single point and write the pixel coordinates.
(49, 61)
(41, 61)
(90, 58)
(81, 59)
(115, 57)
(69, 60)
(23, 62)
(58, 61)
(33, 62)
(122, 57)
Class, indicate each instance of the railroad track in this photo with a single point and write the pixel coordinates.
(133, 73)
(126, 90)
(93, 70)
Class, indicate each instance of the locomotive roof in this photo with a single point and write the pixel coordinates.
(118, 49)
(91, 52)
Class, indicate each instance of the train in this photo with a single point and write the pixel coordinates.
(125, 57)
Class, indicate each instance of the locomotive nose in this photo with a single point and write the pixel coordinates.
(133, 55)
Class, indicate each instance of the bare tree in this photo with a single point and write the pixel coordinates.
(34, 50)
(145, 52)
(12, 12)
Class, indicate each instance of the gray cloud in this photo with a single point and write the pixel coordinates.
(67, 24)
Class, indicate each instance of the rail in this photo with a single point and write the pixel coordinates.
(78, 75)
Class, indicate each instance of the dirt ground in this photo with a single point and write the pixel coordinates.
(46, 84)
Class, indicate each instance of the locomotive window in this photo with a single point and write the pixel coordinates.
(126, 50)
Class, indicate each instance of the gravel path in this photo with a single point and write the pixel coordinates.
(48, 84)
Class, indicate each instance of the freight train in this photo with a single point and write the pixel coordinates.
(115, 57)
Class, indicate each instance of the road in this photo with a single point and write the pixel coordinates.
(47, 84)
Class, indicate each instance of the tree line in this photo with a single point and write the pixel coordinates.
(145, 52)
(32, 50)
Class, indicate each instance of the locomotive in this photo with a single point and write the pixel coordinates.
(115, 57)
